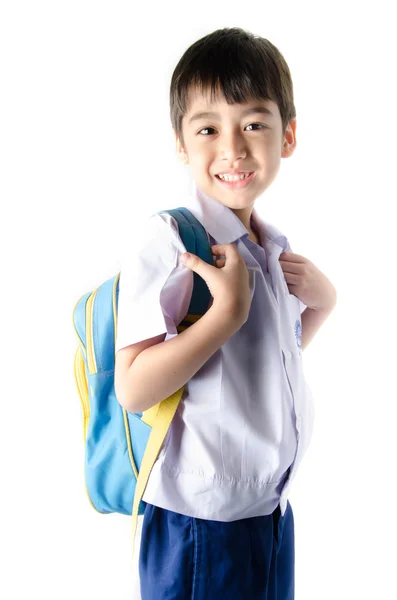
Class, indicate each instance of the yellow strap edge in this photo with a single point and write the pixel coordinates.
(165, 414)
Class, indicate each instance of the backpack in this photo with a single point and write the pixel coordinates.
(122, 447)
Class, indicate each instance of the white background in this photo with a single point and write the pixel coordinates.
(87, 150)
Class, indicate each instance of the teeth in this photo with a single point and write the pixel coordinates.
(227, 177)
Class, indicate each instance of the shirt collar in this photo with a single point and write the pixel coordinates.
(224, 226)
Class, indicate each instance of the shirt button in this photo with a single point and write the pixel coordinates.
(288, 354)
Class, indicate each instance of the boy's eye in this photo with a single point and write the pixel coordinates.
(256, 125)
(250, 125)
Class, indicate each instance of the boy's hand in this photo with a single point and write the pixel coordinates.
(227, 280)
(307, 282)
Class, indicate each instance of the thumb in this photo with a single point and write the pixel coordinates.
(193, 262)
(187, 258)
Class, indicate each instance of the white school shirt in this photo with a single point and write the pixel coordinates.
(246, 417)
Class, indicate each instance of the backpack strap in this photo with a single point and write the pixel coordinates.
(195, 240)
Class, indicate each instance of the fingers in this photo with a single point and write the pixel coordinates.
(228, 251)
(220, 248)
(220, 262)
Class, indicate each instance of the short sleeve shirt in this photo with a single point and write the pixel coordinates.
(246, 417)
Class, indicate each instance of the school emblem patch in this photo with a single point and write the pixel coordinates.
(298, 333)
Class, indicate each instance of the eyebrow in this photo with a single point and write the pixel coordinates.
(248, 111)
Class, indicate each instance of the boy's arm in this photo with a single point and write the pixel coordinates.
(311, 323)
(162, 369)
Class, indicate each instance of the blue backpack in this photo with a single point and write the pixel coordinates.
(121, 447)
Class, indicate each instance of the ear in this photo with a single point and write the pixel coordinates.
(180, 151)
(289, 142)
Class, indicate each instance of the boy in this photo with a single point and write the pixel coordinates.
(217, 521)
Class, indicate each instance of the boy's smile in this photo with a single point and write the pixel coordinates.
(221, 138)
(235, 181)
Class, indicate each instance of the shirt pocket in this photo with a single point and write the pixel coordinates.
(288, 369)
(302, 397)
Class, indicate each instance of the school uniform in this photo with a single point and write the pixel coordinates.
(218, 520)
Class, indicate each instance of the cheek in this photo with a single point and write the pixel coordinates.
(270, 154)
(202, 159)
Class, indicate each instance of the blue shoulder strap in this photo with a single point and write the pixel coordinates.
(195, 239)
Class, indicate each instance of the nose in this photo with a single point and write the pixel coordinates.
(232, 147)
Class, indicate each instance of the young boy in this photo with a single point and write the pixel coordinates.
(218, 523)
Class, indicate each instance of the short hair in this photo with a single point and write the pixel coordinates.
(239, 64)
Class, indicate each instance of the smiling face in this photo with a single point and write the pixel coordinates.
(240, 137)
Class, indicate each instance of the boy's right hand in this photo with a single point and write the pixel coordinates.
(228, 280)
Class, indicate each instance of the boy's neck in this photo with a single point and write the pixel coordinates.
(243, 214)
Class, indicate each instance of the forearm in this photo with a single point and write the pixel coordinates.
(161, 370)
(312, 320)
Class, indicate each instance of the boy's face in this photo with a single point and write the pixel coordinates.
(234, 140)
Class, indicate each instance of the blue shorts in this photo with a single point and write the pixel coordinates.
(184, 558)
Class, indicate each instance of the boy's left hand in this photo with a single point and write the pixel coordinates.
(307, 283)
